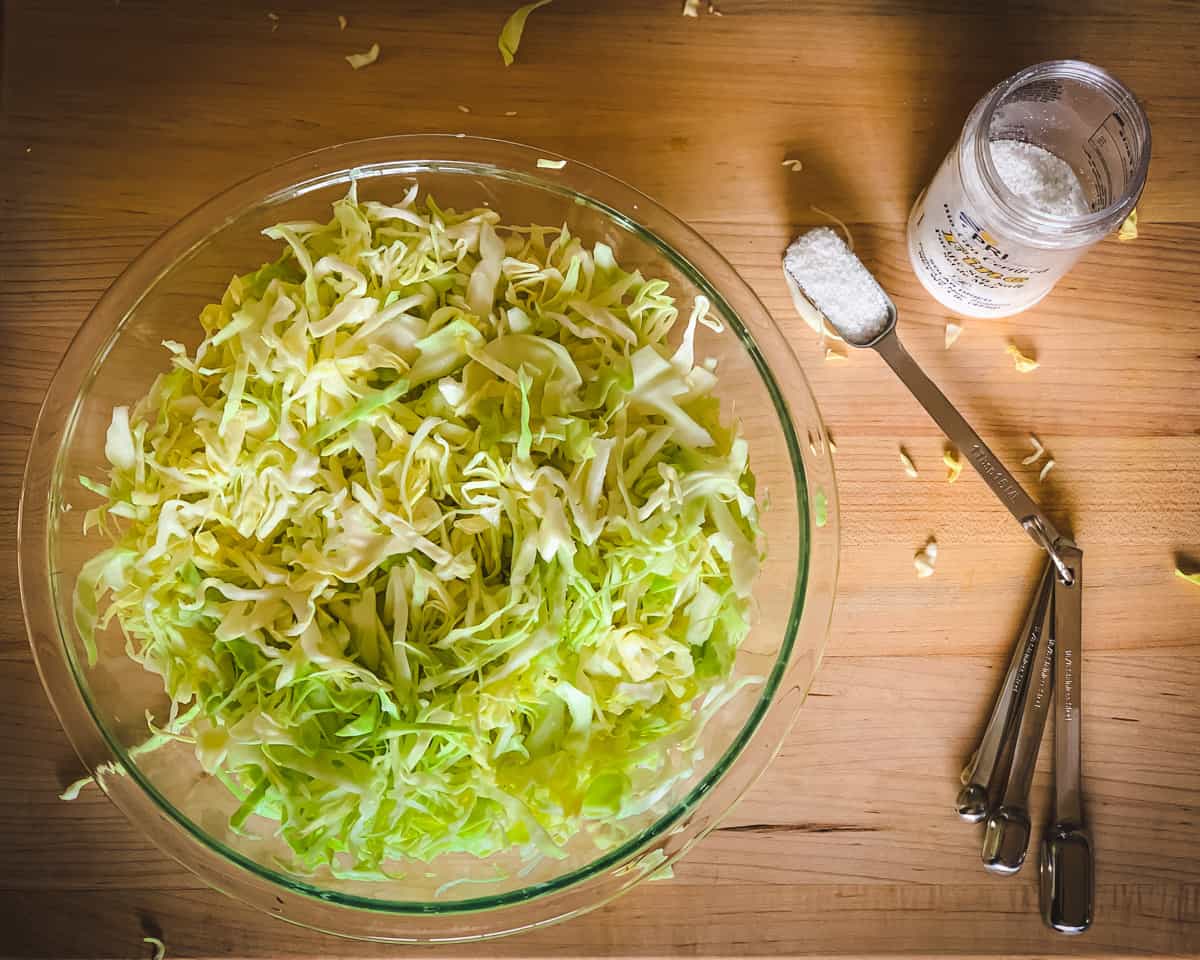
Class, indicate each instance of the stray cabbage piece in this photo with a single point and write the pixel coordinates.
(925, 559)
(953, 464)
(1129, 227)
(514, 27)
(953, 332)
(910, 468)
(160, 948)
(1023, 363)
(1038, 451)
(159, 737)
(342, 21)
(1046, 468)
(433, 540)
(820, 508)
(73, 789)
(691, 8)
(829, 216)
(794, 165)
(360, 60)
(545, 164)
(1189, 577)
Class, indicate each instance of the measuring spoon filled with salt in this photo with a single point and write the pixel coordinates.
(827, 274)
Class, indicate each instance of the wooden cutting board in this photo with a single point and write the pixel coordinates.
(118, 117)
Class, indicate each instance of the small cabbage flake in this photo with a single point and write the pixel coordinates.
(953, 462)
(436, 543)
(513, 29)
(926, 558)
(1022, 363)
(360, 60)
(1129, 226)
(820, 508)
(1038, 451)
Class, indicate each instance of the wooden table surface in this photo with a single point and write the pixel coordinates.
(120, 117)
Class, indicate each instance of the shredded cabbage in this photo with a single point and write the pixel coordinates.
(435, 543)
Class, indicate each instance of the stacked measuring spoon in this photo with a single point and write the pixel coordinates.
(1045, 668)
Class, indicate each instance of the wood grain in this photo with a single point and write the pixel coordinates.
(119, 117)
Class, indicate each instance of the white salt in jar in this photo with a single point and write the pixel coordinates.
(1049, 161)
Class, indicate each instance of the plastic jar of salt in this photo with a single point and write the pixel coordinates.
(1049, 162)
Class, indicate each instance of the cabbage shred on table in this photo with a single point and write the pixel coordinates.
(434, 541)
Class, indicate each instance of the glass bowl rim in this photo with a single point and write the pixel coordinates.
(343, 163)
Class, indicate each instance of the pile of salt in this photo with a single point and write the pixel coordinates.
(1038, 177)
(838, 285)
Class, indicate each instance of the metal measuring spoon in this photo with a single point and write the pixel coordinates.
(983, 775)
(830, 277)
(826, 274)
(1006, 835)
(1067, 869)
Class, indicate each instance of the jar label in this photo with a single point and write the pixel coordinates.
(1110, 158)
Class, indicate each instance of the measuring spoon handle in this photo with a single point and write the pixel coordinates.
(1002, 483)
(981, 780)
(1006, 836)
(1068, 876)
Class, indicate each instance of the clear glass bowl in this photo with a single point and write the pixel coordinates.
(116, 355)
